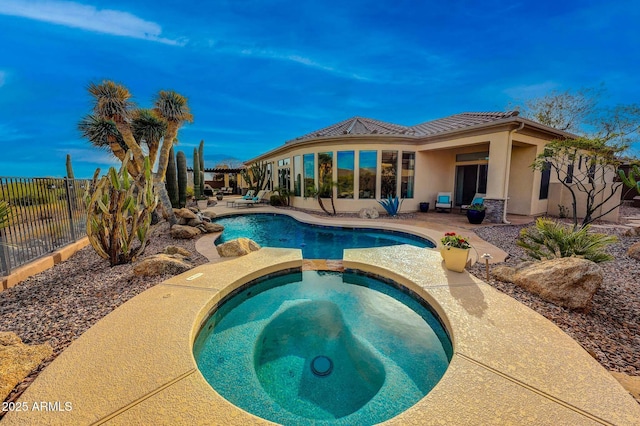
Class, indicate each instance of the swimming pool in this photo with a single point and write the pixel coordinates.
(323, 348)
(316, 242)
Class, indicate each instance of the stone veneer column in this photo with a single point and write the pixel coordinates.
(495, 209)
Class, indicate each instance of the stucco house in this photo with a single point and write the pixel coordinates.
(467, 153)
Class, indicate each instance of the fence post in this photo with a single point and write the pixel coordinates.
(4, 255)
(70, 208)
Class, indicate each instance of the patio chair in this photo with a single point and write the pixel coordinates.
(250, 194)
(478, 198)
(444, 201)
(250, 201)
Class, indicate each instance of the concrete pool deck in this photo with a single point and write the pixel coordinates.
(510, 365)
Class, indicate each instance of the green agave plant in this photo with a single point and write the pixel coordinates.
(549, 239)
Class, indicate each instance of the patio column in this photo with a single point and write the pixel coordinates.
(497, 179)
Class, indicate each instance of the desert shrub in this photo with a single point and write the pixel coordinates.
(549, 239)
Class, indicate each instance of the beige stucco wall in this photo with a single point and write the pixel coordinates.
(560, 195)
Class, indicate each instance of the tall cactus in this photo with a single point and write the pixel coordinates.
(201, 157)
(181, 162)
(197, 188)
(172, 180)
(69, 167)
(119, 211)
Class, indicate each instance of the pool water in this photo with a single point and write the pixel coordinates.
(319, 347)
(316, 242)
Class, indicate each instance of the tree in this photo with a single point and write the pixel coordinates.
(255, 175)
(566, 111)
(588, 166)
(116, 124)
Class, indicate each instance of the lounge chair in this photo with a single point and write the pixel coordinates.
(250, 201)
(478, 198)
(250, 194)
(444, 201)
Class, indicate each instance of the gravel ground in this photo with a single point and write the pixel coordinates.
(58, 305)
(610, 331)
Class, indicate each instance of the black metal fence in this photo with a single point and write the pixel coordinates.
(44, 214)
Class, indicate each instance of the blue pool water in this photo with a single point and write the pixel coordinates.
(322, 348)
(316, 242)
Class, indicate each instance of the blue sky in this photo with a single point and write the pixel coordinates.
(258, 73)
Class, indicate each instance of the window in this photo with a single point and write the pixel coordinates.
(408, 174)
(309, 174)
(367, 178)
(544, 182)
(473, 156)
(269, 177)
(325, 174)
(569, 178)
(345, 173)
(388, 174)
(297, 172)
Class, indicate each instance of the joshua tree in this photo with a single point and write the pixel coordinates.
(117, 124)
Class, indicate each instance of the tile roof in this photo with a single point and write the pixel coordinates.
(367, 126)
(460, 121)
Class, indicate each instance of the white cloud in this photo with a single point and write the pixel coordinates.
(76, 15)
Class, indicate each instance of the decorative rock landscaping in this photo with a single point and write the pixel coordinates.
(368, 213)
(237, 247)
(568, 281)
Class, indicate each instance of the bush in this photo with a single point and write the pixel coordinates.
(549, 239)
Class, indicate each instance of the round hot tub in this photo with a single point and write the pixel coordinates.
(323, 347)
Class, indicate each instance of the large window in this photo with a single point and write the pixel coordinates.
(345, 174)
(408, 174)
(544, 182)
(325, 173)
(367, 181)
(388, 174)
(309, 174)
(297, 172)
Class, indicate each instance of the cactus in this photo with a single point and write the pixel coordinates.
(197, 188)
(201, 157)
(633, 180)
(119, 211)
(69, 167)
(181, 163)
(172, 180)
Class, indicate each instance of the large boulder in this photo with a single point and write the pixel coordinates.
(630, 383)
(185, 213)
(194, 222)
(159, 264)
(237, 247)
(368, 213)
(17, 360)
(209, 214)
(634, 251)
(566, 281)
(208, 227)
(183, 232)
(177, 250)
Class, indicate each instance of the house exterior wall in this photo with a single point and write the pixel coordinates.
(510, 179)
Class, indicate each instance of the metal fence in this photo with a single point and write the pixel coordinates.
(45, 214)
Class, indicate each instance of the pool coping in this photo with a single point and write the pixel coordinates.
(510, 365)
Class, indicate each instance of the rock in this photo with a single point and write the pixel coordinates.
(183, 232)
(194, 222)
(634, 251)
(177, 250)
(506, 273)
(17, 360)
(185, 214)
(630, 383)
(208, 227)
(237, 247)
(209, 214)
(368, 213)
(567, 281)
(159, 264)
(632, 232)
